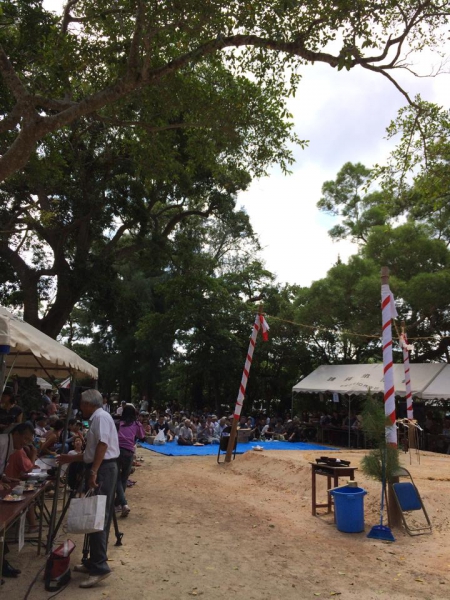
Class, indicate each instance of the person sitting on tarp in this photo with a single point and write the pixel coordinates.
(243, 423)
(295, 433)
(162, 424)
(185, 435)
(22, 435)
(279, 430)
(205, 432)
(267, 431)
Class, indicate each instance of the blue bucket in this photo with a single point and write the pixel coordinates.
(349, 508)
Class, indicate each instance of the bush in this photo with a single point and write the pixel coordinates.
(374, 426)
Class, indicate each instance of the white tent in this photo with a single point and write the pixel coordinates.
(358, 379)
(439, 388)
(44, 385)
(34, 353)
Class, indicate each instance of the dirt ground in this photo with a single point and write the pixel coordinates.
(245, 531)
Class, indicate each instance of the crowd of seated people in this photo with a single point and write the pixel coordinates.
(186, 428)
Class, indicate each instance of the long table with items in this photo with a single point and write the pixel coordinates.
(12, 511)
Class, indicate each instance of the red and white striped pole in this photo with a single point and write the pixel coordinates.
(260, 323)
(408, 397)
(388, 310)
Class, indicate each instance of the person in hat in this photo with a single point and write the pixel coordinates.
(153, 419)
(40, 426)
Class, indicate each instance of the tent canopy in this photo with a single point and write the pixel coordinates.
(358, 379)
(440, 387)
(34, 353)
(44, 385)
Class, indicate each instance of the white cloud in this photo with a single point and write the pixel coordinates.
(296, 245)
(344, 115)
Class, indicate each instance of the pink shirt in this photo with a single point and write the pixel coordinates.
(129, 433)
(18, 463)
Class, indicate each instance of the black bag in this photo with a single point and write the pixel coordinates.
(57, 568)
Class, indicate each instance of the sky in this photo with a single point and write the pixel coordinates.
(344, 116)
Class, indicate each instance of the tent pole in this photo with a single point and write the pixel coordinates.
(349, 420)
(292, 405)
(51, 377)
(51, 528)
(5, 348)
(2, 371)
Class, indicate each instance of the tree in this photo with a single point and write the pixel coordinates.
(342, 198)
(99, 62)
(183, 312)
(332, 309)
(86, 187)
(417, 175)
(415, 247)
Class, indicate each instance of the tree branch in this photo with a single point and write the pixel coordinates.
(66, 16)
(52, 104)
(133, 55)
(10, 121)
(393, 81)
(183, 215)
(11, 78)
(146, 126)
(37, 127)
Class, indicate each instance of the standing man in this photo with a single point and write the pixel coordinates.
(100, 458)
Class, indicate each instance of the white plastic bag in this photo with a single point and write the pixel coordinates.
(86, 515)
(160, 439)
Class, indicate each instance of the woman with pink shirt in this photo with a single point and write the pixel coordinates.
(129, 430)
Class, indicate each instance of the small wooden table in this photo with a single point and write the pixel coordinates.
(332, 473)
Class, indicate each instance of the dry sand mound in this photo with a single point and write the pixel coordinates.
(245, 531)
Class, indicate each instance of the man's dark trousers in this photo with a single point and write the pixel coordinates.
(98, 542)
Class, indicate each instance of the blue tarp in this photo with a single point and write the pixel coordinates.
(172, 449)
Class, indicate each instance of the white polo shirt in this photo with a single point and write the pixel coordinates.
(101, 429)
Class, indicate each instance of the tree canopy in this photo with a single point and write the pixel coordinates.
(84, 188)
(403, 224)
(105, 62)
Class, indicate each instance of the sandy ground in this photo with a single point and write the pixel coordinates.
(245, 531)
